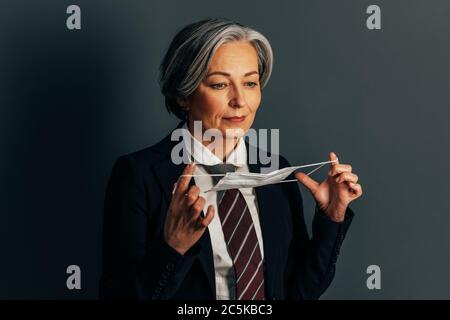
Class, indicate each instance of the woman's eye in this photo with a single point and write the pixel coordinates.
(218, 85)
(251, 84)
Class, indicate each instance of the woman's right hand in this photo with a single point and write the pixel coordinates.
(184, 226)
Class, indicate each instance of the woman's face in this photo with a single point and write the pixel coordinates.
(230, 94)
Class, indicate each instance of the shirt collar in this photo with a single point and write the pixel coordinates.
(202, 155)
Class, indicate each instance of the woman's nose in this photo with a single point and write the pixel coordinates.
(237, 98)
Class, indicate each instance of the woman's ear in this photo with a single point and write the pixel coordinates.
(182, 102)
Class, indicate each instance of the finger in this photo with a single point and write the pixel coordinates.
(346, 176)
(206, 220)
(333, 157)
(309, 183)
(184, 180)
(339, 168)
(355, 189)
(197, 208)
(191, 196)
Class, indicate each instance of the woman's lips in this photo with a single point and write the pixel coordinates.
(235, 119)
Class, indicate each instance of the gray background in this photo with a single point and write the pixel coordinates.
(72, 101)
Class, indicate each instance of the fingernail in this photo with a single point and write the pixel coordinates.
(174, 187)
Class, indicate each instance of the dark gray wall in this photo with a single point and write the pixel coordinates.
(72, 101)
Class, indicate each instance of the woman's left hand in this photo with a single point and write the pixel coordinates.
(335, 193)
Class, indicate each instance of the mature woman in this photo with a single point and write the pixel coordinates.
(165, 237)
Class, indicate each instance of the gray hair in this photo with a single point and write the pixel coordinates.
(187, 59)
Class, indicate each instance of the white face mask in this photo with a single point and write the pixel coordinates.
(236, 180)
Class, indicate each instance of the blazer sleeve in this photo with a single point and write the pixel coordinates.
(311, 261)
(136, 264)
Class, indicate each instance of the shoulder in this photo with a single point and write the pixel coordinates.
(147, 157)
(138, 164)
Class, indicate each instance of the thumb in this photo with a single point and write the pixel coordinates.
(307, 181)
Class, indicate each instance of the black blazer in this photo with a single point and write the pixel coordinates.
(138, 264)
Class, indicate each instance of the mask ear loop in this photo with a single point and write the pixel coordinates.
(311, 172)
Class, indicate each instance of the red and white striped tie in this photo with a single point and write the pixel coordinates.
(240, 235)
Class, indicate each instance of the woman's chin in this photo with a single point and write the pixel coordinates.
(234, 131)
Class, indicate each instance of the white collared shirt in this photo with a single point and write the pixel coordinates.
(223, 264)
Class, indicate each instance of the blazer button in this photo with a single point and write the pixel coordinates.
(162, 282)
(170, 266)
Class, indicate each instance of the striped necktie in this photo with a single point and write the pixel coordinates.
(241, 239)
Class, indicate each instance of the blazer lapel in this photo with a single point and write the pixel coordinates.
(167, 174)
(267, 206)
